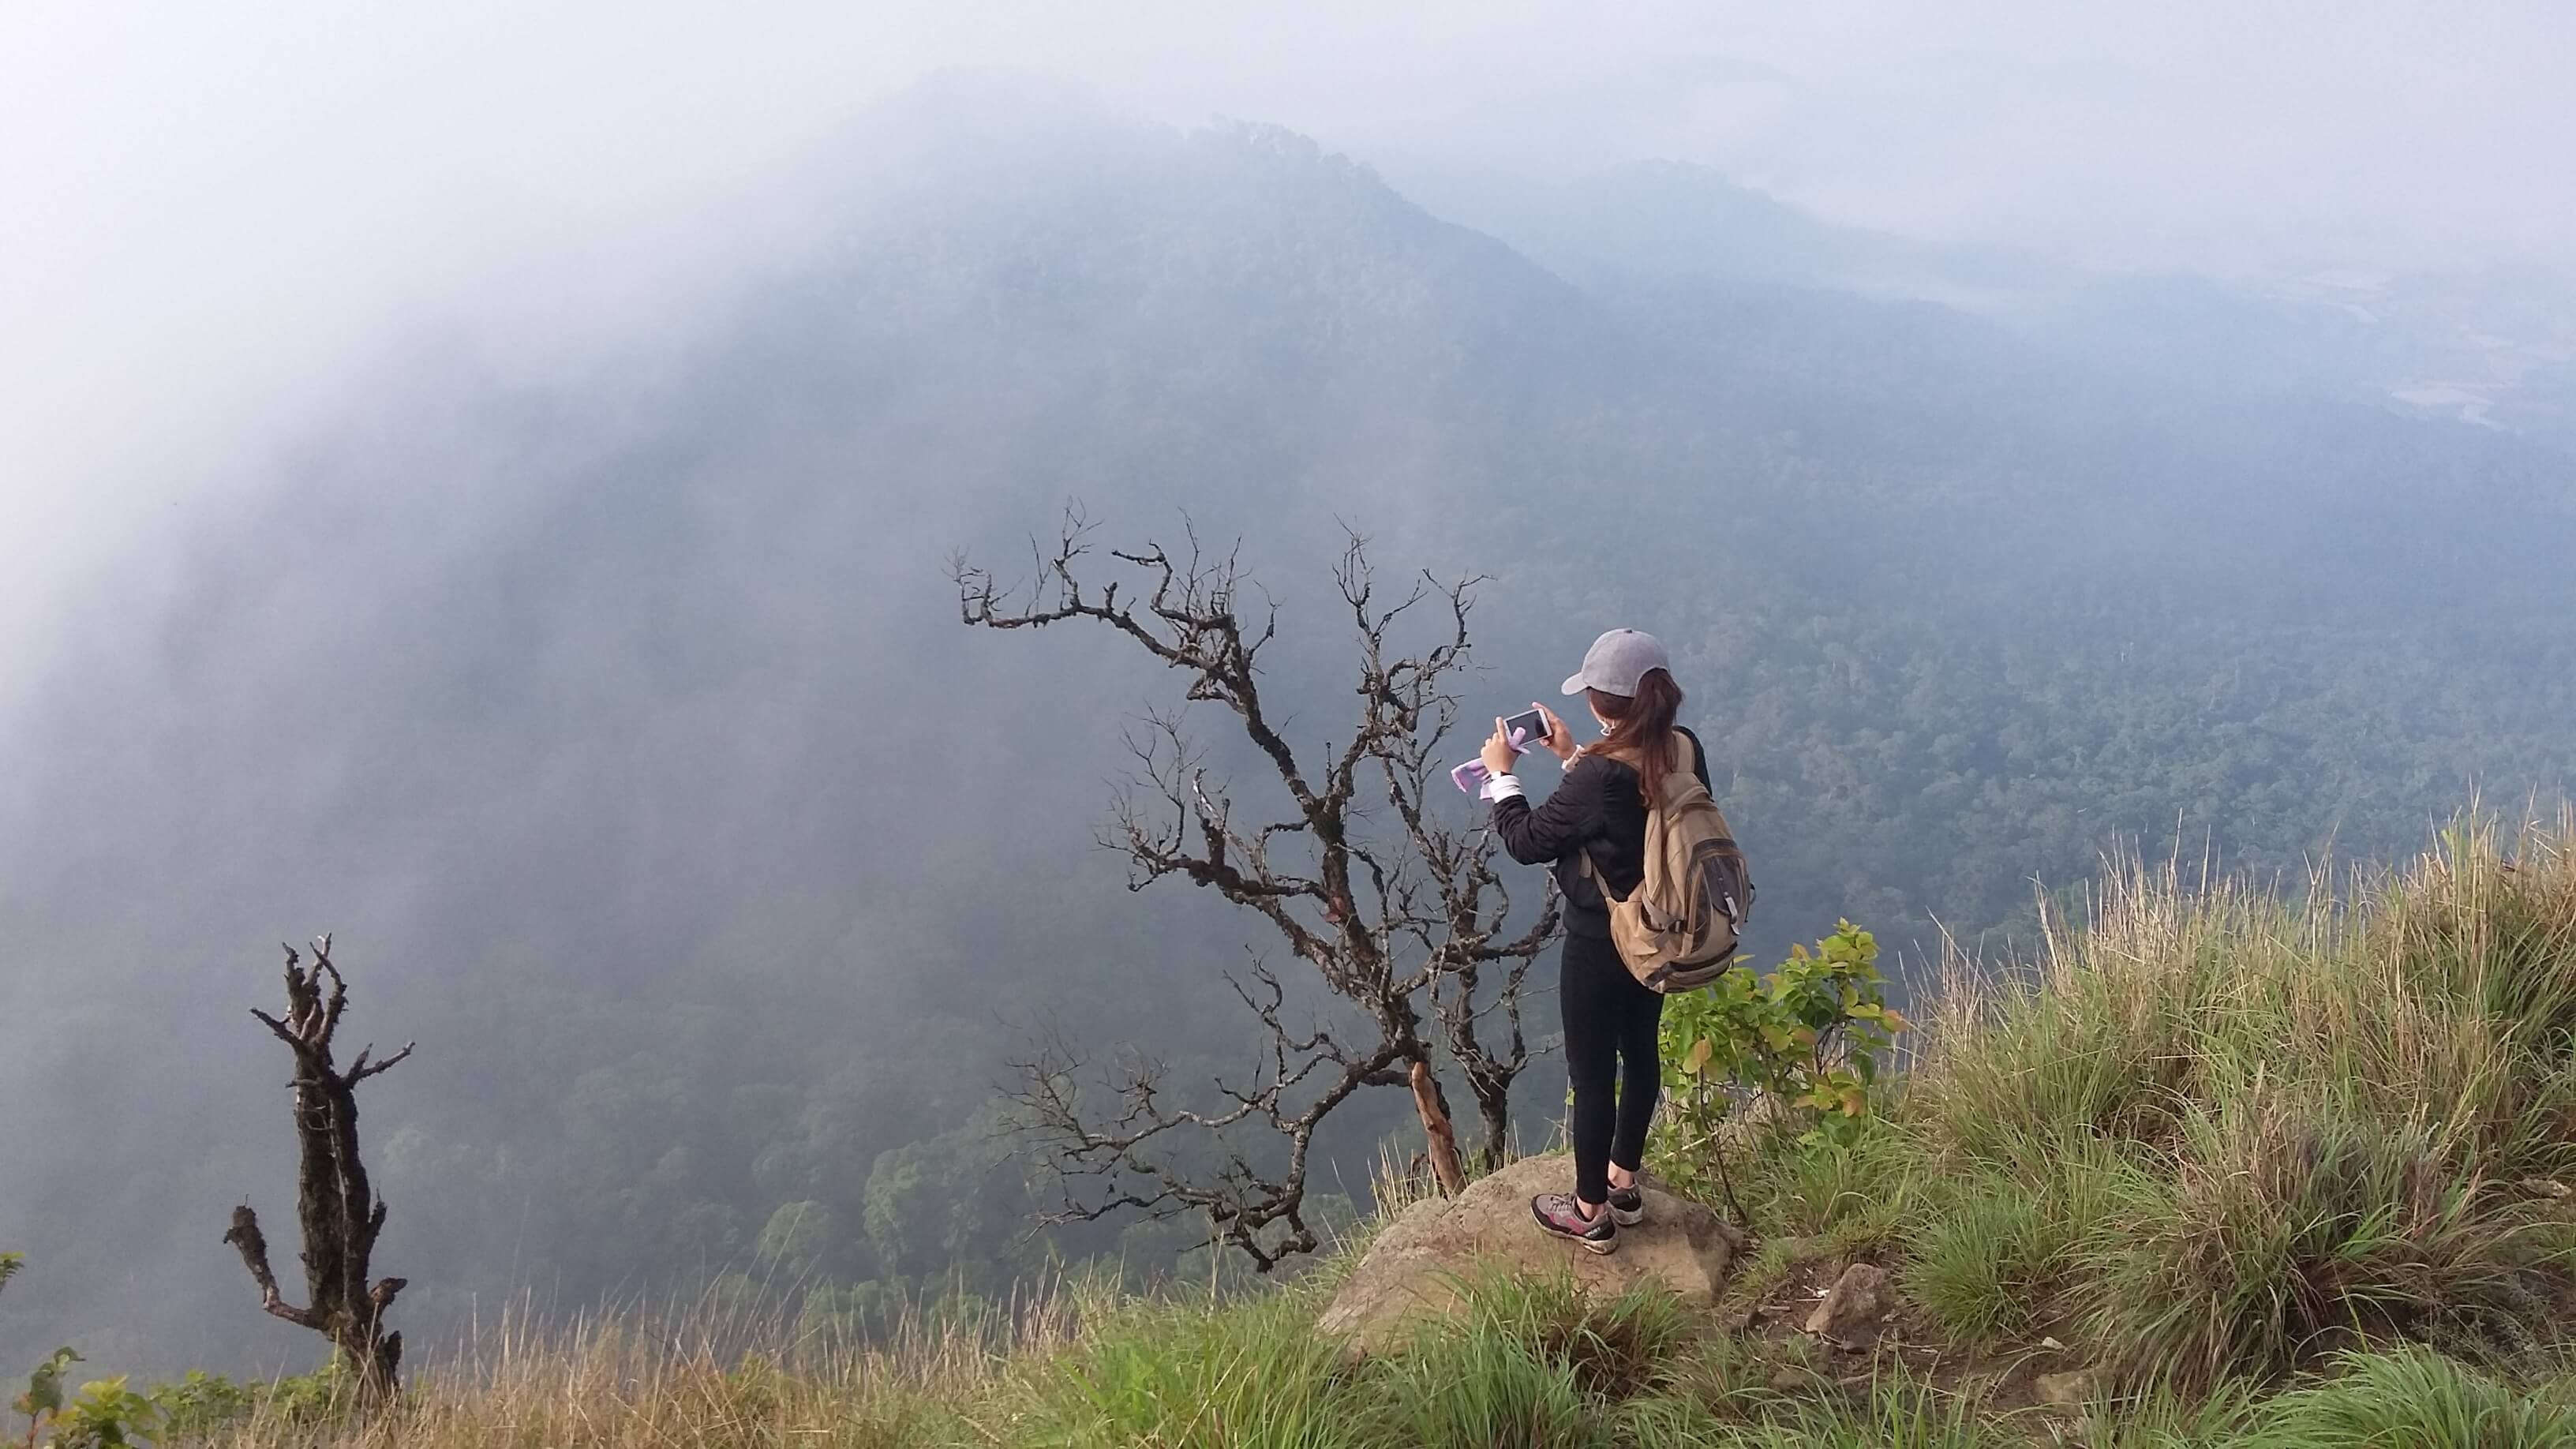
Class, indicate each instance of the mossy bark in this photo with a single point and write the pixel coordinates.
(336, 1206)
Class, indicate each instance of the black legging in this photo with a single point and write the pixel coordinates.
(1611, 1024)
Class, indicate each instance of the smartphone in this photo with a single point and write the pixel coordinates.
(1524, 730)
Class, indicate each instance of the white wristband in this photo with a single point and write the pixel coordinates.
(1502, 787)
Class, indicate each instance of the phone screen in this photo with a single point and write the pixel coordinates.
(1525, 729)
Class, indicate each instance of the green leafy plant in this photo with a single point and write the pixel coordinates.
(44, 1396)
(107, 1415)
(1806, 1038)
(198, 1405)
(201, 1403)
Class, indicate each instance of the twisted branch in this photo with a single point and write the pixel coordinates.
(1402, 922)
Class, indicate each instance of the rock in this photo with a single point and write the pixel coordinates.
(1415, 1265)
(2070, 1390)
(1853, 1306)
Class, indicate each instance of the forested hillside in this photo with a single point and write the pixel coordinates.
(626, 734)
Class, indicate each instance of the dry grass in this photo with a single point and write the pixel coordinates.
(2232, 1130)
(2216, 1137)
(699, 1378)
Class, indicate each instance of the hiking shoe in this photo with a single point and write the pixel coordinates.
(1559, 1216)
(1627, 1206)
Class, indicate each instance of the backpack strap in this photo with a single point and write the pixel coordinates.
(1681, 776)
(1687, 746)
(1584, 867)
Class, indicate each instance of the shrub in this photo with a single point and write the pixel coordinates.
(201, 1403)
(105, 1414)
(1804, 1040)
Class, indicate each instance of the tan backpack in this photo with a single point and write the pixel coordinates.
(1678, 929)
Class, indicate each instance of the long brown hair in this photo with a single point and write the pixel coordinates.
(1641, 729)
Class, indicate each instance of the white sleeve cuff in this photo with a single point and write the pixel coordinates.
(1502, 787)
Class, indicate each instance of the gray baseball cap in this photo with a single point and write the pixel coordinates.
(1616, 661)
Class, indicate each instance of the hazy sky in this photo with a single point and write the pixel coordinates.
(209, 214)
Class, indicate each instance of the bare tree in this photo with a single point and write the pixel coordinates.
(335, 1206)
(1399, 914)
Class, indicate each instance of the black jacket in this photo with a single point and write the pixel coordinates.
(1595, 808)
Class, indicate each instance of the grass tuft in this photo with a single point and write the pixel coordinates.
(1726, 1381)
(1898, 1412)
(2227, 1132)
(2418, 1399)
(1980, 1266)
(1614, 1347)
(2285, 1222)
(1479, 1385)
(1250, 1374)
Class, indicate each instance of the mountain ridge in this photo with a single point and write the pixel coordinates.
(627, 724)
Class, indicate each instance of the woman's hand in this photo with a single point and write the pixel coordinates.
(1498, 752)
(1560, 740)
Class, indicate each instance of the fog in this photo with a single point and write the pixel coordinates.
(214, 215)
(482, 481)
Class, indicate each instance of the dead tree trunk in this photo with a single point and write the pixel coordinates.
(335, 1205)
(1345, 856)
(1434, 1111)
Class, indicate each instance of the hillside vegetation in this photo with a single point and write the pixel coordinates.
(622, 718)
(2221, 1166)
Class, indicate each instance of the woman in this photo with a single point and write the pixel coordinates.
(1599, 810)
